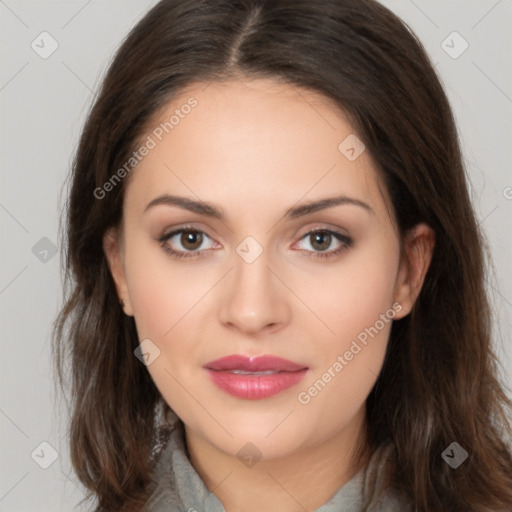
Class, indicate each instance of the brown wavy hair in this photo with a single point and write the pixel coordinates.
(440, 380)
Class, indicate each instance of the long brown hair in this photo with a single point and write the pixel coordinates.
(440, 381)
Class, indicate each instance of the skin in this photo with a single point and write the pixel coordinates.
(255, 148)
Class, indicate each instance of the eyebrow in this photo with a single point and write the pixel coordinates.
(295, 212)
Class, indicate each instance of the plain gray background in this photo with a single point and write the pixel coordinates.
(43, 106)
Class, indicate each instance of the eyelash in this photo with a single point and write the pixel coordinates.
(346, 243)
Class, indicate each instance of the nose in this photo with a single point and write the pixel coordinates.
(253, 299)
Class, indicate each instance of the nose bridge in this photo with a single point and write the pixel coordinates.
(254, 299)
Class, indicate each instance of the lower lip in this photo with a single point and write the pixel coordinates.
(255, 387)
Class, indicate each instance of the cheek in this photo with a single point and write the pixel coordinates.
(349, 297)
(357, 306)
(348, 368)
(162, 293)
(164, 297)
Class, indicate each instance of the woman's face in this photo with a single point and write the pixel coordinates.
(259, 273)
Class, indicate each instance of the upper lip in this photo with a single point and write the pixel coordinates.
(253, 364)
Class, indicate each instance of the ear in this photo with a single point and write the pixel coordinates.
(112, 247)
(418, 250)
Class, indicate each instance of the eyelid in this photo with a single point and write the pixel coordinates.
(180, 254)
(323, 226)
(344, 239)
(168, 233)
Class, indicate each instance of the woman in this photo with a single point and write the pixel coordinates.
(276, 293)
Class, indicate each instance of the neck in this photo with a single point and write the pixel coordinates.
(301, 481)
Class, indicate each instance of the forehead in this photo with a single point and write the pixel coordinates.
(258, 139)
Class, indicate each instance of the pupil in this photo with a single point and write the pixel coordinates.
(191, 239)
(321, 240)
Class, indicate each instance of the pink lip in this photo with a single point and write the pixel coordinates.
(254, 387)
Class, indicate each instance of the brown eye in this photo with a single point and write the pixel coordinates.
(320, 240)
(191, 240)
(186, 243)
(324, 243)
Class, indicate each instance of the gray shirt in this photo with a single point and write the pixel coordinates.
(180, 488)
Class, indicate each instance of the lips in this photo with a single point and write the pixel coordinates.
(253, 364)
(254, 377)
